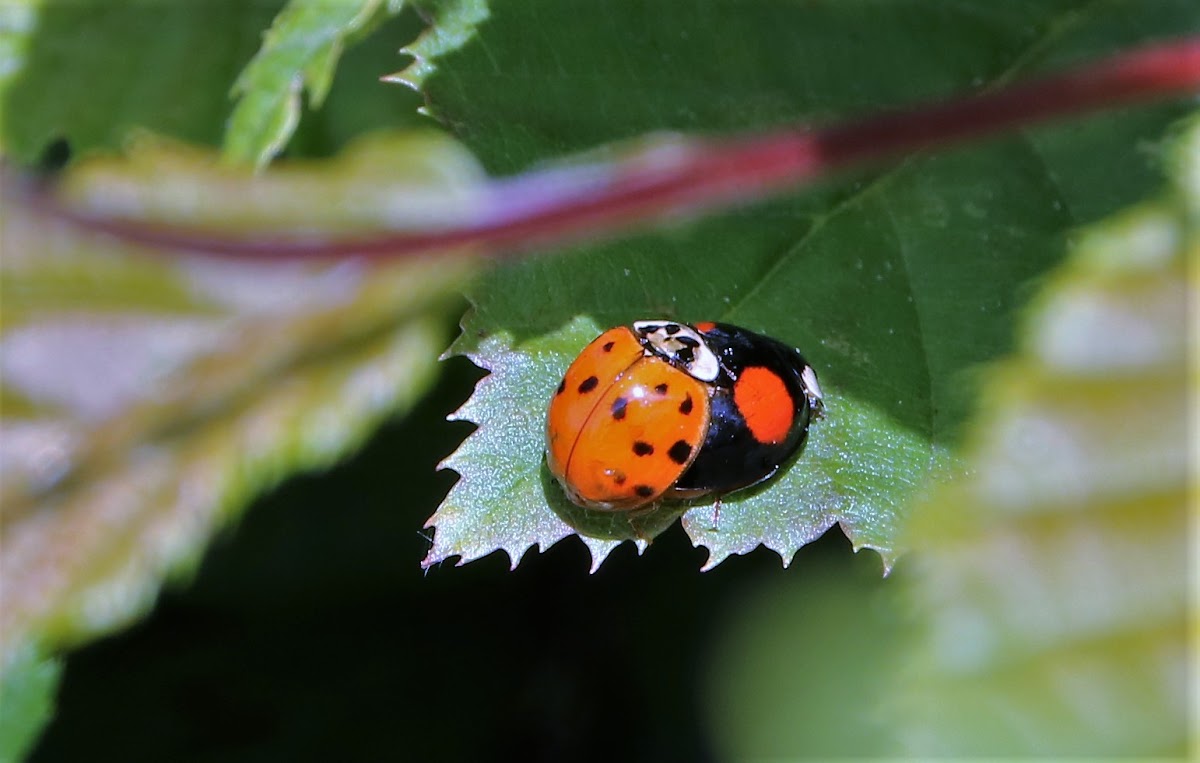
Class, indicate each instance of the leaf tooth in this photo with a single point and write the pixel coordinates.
(599, 550)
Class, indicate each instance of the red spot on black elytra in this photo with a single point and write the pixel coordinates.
(608, 346)
(588, 385)
(686, 406)
(618, 408)
(680, 452)
(645, 491)
(642, 448)
(561, 386)
(661, 388)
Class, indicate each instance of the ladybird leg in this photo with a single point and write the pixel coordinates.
(635, 517)
(716, 513)
(817, 406)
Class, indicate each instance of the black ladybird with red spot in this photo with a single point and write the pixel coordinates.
(664, 410)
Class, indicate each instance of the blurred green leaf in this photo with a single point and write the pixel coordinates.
(299, 54)
(895, 285)
(358, 101)
(17, 20)
(160, 395)
(90, 71)
(795, 670)
(27, 684)
(1055, 573)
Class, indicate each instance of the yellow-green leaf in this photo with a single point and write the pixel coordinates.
(154, 395)
(1055, 573)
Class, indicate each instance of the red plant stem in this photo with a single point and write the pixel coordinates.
(543, 208)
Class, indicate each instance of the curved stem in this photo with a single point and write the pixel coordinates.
(538, 209)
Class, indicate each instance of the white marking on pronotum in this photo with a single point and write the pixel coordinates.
(682, 345)
(812, 389)
(810, 381)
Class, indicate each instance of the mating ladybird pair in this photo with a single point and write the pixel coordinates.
(661, 410)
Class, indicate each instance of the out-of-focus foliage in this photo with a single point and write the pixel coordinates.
(1044, 608)
(147, 399)
(87, 72)
(299, 55)
(27, 686)
(1055, 575)
(798, 668)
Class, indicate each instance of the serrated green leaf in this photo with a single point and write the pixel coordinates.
(454, 24)
(358, 102)
(162, 394)
(89, 71)
(505, 498)
(894, 285)
(1055, 573)
(299, 54)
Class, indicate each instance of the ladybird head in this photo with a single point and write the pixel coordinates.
(681, 345)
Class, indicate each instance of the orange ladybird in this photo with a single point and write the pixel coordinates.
(663, 410)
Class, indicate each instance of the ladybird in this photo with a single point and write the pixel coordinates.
(659, 410)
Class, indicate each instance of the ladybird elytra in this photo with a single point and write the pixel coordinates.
(576, 396)
(632, 458)
(665, 410)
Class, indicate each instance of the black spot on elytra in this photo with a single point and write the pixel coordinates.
(618, 408)
(679, 452)
(608, 346)
(588, 385)
(618, 477)
(661, 388)
(686, 406)
(645, 491)
(642, 448)
(561, 386)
